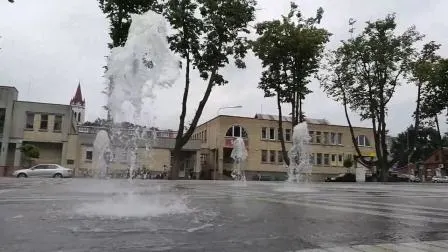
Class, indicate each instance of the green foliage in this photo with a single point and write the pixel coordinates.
(118, 12)
(366, 69)
(290, 50)
(435, 92)
(29, 152)
(426, 144)
(348, 163)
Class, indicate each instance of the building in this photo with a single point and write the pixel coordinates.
(436, 164)
(78, 105)
(154, 153)
(50, 127)
(57, 131)
(330, 145)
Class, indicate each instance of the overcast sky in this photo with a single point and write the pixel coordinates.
(47, 46)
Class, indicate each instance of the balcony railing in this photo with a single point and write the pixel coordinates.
(159, 133)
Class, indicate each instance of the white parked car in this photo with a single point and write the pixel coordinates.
(44, 170)
(443, 179)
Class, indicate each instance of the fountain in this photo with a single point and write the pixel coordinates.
(299, 169)
(144, 63)
(101, 154)
(239, 155)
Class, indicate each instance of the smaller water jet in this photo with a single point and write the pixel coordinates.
(101, 154)
(239, 155)
(299, 169)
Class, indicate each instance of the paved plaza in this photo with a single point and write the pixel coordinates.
(148, 215)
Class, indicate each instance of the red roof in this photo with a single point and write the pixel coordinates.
(77, 99)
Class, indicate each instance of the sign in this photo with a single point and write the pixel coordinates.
(228, 142)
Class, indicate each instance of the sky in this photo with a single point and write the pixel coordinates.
(48, 46)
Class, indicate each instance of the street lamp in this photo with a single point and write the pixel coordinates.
(216, 138)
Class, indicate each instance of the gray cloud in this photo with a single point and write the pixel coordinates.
(48, 45)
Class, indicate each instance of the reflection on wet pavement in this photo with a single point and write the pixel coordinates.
(148, 215)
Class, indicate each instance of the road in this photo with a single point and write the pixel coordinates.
(149, 215)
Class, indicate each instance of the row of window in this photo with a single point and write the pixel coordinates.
(272, 134)
(329, 138)
(272, 156)
(200, 136)
(44, 122)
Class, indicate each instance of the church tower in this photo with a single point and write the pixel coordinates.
(78, 105)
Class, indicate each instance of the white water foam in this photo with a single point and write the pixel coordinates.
(135, 206)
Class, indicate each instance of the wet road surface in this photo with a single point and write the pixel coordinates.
(148, 215)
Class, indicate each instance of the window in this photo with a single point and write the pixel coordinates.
(272, 133)
(333, 138)
(89, 155)
(318, 137)
(264, 156)
(29, 124)
(70, 161)
(264, 133)
(205, 136)
(280, 156)
(333, 158)
(326, 159)
(272, 156)
(79, 117)
(57, 123)
(43, 122)
(236, 131)
(340, 158)
(279, 133)
(339, 139)
(311, 133)
(326, 138)
(312, 158)
(363, 141)
(2, 119)
(319, 158)
(288, 135)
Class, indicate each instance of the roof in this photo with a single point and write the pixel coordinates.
(289, 119)
(77, 99)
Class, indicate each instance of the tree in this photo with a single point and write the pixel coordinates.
(118, 12)
(425, 145)
(290, 49)
(348, 163)
(377, 60)
(205, 42)
(29, 152)
(422, 71)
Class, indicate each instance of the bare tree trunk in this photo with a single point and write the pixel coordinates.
(416, 134)
(280, 128)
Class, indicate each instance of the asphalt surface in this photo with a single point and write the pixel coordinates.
(149, 215)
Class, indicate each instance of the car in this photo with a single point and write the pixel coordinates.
(437, 179)
(44, 170)
(343, 177)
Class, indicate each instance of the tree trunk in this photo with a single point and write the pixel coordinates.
(182, 138)
(442, 158)
(280, 128)
(293, 109)
(416, 134)
(174, 172)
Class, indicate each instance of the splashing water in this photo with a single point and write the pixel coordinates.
(299, 169)
(101, 154)
(239, 155)
(134, 71)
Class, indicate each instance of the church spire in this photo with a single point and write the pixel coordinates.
(77, 99)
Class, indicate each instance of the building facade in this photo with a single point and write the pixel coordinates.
(57, 131)
(330, 145)
(50, 127)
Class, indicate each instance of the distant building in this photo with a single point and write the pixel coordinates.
(436, 164)
(78, 105)
(57, 131)
(330, 145)
(50, 127)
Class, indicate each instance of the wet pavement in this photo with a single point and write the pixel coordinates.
(149, 215)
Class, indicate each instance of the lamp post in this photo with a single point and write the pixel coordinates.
(216, 139)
